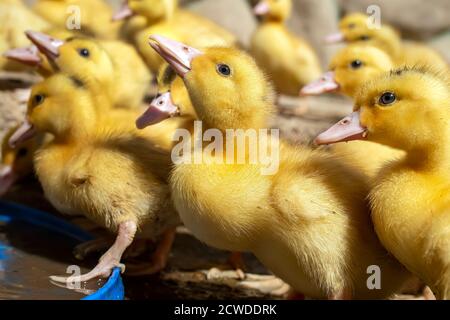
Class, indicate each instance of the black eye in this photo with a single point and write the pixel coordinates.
(355, 64)
(224, 70)
(84, 52)
(38, 99)
(22, 152)
(364, 38)
(351, 26)
(387, 98)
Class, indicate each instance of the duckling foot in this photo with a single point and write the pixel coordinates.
(159, 257)
(428, 294)
(217, 274)
(267, 284)
(109, 260)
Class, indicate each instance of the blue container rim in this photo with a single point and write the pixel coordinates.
(113, 289)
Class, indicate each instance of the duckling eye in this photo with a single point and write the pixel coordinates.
(224, 70)
(356, 64)
(387, 98)
(22, 152)
(364, 38)
(351, 25)
(83, 52)
(38, 99)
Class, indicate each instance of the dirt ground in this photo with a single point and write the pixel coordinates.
(187, 273)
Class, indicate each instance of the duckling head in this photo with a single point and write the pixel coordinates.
(172, 100)
(153, 10)
(226, 87)
(384, 38)
(350, 22)
(406, 109)
(84, 58)
(50, 110)
(16, 163)
(273, 10)
(350, 68)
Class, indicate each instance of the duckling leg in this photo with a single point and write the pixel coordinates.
(343, 294)
(110, 259)
(81, 251)
(428, 294)
(159, 257)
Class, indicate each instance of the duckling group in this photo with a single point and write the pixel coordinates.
(319, 223)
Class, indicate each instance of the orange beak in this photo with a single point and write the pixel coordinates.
(45, 43)
(177, 54)
(347, 129)
(337, 37)
(123, 13)
(261, 9)
(161, 108)
(24, 132)
(27, 55)
(325, 84)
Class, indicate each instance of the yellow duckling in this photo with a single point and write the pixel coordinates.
(15, 18)
(16, 163)
(307, 221)
(114, 65)
(164, 17)
(350, 69)
(93, 16)
(354, 29)
(101, 168)
(409, 109)
(288, 60)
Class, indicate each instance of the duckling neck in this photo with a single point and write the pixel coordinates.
(434, 158)
(274, 20)
(78, 131)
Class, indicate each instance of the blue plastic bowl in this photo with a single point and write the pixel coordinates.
(113, 288)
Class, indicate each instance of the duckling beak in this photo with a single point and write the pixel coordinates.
(45, 43)
(7, 178)
(177, 54)
(347, 129)
(262, 8)
(161, 108)
(24, 132)
(325, 84)
(123, 13)
(27, 55)
(335, 38)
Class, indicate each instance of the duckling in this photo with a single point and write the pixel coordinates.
(114, 65)
(97, 166)
(350, 69)
(288, 60)
(16, 163)
(94, 16)
(409, 109)
(308, 221)
(353, 29)
(16, 17)
(164, 17)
